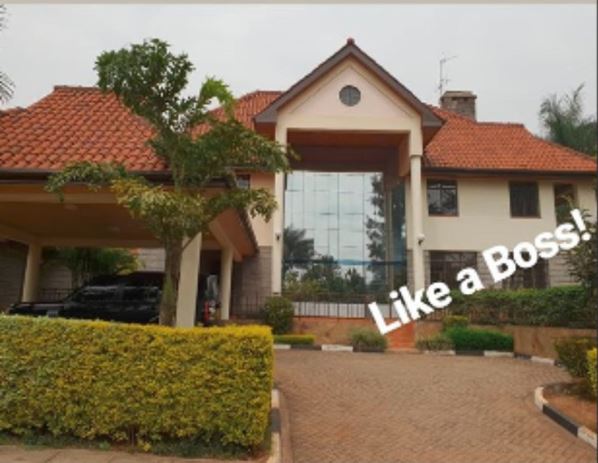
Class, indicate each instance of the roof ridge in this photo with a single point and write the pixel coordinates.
(76, 87)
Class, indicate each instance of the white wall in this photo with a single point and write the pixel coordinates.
(484, 218)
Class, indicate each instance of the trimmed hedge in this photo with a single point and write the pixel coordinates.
(295, 339)
(592, 373)
(454, 321)
(368, 340)
(478, 339)
(278, 313)
(439, 341)
(559, 306)
(572, 354)
(137, 383)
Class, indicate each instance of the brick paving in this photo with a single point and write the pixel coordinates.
(411, 408)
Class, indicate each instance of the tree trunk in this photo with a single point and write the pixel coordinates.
(170, 288)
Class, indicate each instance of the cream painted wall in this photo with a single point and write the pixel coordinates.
(484, 215)
(319, 107)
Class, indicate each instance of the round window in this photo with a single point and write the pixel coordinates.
(350, 95)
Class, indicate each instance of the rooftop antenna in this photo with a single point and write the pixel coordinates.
(443, 79)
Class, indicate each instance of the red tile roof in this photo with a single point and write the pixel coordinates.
(466, 144)
(82, 123)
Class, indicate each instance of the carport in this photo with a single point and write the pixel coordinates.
(36, 218)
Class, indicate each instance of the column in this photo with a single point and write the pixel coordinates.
(226, 274)
(278, 220)
(32, 269)
(417, 221)
(188, 281)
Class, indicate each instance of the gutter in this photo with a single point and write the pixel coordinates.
(505, 172)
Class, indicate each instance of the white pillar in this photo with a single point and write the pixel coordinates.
(278, 220)
(226, 274)
(32, 269)
(417, 221)
(188, 280)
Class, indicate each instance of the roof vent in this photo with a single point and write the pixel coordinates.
(459, 101)
(350, 41)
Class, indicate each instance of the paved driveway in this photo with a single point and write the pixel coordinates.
(373, 408)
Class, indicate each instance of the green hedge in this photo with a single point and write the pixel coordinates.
(572, 354)
(368, 340)
(479, 339)
(592, 373)
(558, 306)
(131, 382)
(278, 313)
(295, 339)
(439, 341)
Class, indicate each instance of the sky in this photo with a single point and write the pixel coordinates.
(511, 56)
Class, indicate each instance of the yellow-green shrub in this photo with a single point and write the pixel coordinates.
(98, 379)
(591, 371)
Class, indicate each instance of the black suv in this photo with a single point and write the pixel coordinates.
(132, 298)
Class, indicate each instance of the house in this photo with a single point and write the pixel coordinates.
(387, 190)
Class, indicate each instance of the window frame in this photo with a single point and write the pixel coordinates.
(461, 263)
(513, 183)
(574, 193)
(443, 180)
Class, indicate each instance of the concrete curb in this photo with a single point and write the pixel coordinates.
(280, 438)
(581, 432)
(323, 347)
(275, 425)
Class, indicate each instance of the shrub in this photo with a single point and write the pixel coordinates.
(454, 321)
(295, 339)
(439, 341)
(123, 382)
(591, 371)
(278, 313)
(368, 340)
(477, 339)
(559, 306)
(572, 354)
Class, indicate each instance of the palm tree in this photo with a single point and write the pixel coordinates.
(6, 85)
(298, 250)
(565, 124)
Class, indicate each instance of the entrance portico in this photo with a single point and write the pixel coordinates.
(381, 126)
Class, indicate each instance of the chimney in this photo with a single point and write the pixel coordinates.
(459, 101)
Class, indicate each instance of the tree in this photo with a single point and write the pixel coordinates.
(86, 263)
(565, 124)
(298, 250)
(150, 81)
(375, 230)
(582, 262)
(6, 85)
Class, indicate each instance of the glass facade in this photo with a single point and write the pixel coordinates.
(337, 238)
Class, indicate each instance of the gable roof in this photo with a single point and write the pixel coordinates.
(83, 124)
(430, 122)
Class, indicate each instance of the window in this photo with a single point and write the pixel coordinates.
(534, 277)
(524, 199)
(244, 181)
(442, 197)
(349, 95)
(564, 200)
(445, 265)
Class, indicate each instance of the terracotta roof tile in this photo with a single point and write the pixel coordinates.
(466, 144)
(82, 123)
